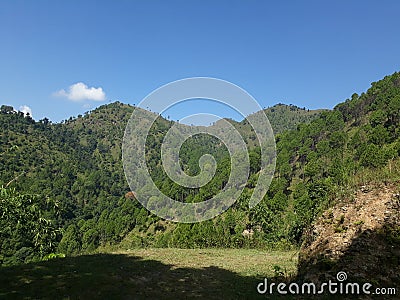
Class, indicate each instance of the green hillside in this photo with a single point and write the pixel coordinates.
(70, 177)
(286, 117)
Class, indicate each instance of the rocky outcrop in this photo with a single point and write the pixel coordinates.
(359, 236)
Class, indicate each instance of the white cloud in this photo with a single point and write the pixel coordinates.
(25, 109)
(80, 91)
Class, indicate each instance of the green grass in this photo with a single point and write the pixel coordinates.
(147, 274)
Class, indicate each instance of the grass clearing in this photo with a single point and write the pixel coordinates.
(245, 262)
(148, 274)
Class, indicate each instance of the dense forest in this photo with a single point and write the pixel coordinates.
(63, 189)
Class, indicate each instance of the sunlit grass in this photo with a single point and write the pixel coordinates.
(246, 262)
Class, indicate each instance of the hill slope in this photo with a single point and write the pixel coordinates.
(286, 117)
(77, 163)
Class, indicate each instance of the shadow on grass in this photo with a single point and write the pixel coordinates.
(118, 276)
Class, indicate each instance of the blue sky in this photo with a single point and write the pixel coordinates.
(309, 53)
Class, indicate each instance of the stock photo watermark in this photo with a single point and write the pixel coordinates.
(142, 120)
(339, 287)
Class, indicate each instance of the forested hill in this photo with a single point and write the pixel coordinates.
(282, 117)
(73, 172)
(286, 117)
(77, 164)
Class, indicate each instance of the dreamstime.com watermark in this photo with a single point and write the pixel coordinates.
(339, 287)
(142, 121)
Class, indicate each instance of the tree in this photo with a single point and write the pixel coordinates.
(378, 117)
(394, 111)
(6, 109)
(70, 242)
(372, 157)
(379, 135)
(27, 222)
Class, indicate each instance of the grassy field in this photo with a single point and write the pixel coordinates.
(148, 274)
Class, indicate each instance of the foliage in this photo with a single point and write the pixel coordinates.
(27, 227)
